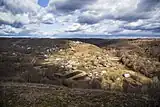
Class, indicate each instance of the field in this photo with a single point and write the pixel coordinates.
(79, 72)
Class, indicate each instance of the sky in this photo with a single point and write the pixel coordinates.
(63, 18)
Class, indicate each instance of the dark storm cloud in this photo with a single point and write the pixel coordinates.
(88, 19)
(156, 29)
(143, 28)
(148, 5)
(70, 5)
(15, 24)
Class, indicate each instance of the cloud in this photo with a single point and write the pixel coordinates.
(111, 9)
(17, 20)
(69, 5)
(7, 29)
(48, 19)
(17, 13)
(17, 6)
(74, 28)
(148, 5)
(109, 17)
(150, 24)
(89, 17)
(124, 10)
(133, 33)
(14, 14)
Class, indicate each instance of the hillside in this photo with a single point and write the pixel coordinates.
(114, 68)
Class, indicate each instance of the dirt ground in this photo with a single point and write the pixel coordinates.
(109, 71)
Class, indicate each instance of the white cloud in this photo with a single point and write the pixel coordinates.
(14, 20)
(48, 18)
(19, 6)
(136, 23)
(115, 8)
(7, 29)
(135, 32)
(7, 17)
(74, 27)
(17, 13)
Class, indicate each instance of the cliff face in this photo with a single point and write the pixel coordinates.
(106, 65)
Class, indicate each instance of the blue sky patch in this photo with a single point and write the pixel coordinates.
(43, 3)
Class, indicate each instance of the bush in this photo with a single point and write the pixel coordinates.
(143, 65)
